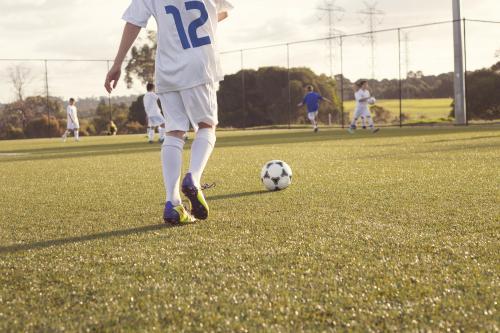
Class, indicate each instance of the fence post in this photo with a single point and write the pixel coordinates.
(47, 97)
(342, 80)
(400, 81)
(243, 93)
(289, 87)
(465, 77)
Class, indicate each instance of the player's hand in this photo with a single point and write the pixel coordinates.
(112, 78)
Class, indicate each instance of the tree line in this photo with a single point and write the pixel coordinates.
(249, 98)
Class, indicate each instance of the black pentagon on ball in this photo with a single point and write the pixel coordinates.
(284, 173)
(266, 175)
(269, 165)
(276, 180)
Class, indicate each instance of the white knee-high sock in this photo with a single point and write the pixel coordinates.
(151, 133)
(353, 123)
(162, 132)
(77, 135)
(370, 122)
(202, 148)
(171, 156)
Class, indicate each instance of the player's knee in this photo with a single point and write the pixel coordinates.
(208, 134)
(177, 134)
(205, 125)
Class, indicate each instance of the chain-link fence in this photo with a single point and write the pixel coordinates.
(409, 69)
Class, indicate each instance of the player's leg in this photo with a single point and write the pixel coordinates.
(65, 135)
(352, 127)
(316, 121)
(162, 132)
(201, 105)
(363, 122)
(312, 118)
(171, 154)
(76, 134)
(151, 133)
(371, 123)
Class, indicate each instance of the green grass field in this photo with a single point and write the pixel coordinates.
(433, 109)
(394, 232)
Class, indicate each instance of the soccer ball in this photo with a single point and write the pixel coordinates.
(276, 175)
(372, 101)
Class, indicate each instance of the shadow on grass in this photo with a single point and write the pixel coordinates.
(467, 139)
(78, 239)
(235, 195)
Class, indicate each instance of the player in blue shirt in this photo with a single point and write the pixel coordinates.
(311, 100)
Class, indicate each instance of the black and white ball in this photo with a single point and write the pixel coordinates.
(276, 175)
(372, 101)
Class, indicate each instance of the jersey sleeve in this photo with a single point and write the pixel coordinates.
(223, 6)
(137, 13)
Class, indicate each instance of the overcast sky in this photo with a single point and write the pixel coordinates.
(90, 29)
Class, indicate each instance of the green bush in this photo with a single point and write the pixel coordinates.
(43, 127)
(13, 133)
(133, 127)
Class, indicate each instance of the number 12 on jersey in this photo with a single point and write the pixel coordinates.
(193, 26)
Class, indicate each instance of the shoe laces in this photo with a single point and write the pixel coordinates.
(208, 186)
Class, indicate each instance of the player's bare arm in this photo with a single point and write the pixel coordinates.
(300, 105)
(130, 33)
(222, 16)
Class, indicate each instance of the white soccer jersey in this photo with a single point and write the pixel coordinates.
(187, 54)
(359, 95)
(72, 113)
(151, 105)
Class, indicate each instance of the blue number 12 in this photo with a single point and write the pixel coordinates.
(193, 26)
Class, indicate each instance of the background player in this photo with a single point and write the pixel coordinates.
(187, 71)
(311, 100)
(363, 99)
(154, 115)
(73, 123)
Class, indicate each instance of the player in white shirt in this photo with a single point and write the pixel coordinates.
(363, 99)
(153, 112)
(187, 72)
(73, 123)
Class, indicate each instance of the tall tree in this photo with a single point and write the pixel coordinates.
(20, 77)
(142, 62)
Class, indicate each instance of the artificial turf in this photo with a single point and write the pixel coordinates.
(397, 231)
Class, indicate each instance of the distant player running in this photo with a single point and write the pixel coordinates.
(363, 99)
(153, 112)
(311, 100)
(187, 71)
(73, 123)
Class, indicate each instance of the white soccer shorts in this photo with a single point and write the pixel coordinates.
(155, 121)
(73, 125)
(312, 115)
(190, 106)
(362, 113)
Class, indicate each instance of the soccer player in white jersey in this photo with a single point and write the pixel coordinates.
(153, 112)
(363, 99)
(187, 72)
(73, 123)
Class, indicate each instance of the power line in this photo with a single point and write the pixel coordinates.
(331, 10)
(373, 17)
